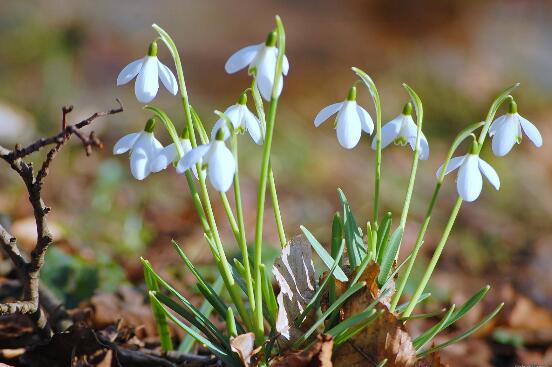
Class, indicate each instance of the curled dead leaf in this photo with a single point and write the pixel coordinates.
(294, 272)
(319, 355)
(385, 338)
(244, 345)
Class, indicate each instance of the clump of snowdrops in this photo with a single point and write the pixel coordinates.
(262, 326)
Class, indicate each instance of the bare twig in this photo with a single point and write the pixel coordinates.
(28, 270)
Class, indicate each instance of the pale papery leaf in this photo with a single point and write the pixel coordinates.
(320, 354)
(244, 345)
(294, 272)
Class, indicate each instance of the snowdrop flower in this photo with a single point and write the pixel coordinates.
(149, 70)
(261, 60)
(242, 119)
(470, 182)
(143, 147)
(351, 120)
(169, 154)
(218, 159)
(402, 130)
(507, 131)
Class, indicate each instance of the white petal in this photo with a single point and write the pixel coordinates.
(285, 65)
(147, 83)
(496, 124)
(409, 129)
(266, 68)
(167, 78)
(469, 182)
(424, 146)
(531, 131)
(222, 167)
(241, 58)
(235, 115)
(326, 113)
(389, 132)
(365, 120)
(453, 164)
(505, 136)
(490, 173)
(165, 157)
(348, 126)
(191, 158)
(129, 72)
(124, 144)
(140, 157)
(253, 126)
(221, 123)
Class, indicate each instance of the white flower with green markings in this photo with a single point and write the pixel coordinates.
(149, 70)
(261, 60)
(351, 120)
(507, 130)
(216, 158)
(402, 130)
(144, 149)
(471, 169)
(242, 120)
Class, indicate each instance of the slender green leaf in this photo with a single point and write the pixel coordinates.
(348, 293)
(383, 236)
(337, 235)
(389, 255)
(382, 363)
(432, 332)
(214, 348)
(324, 256)
(400, 309)
(422, 315)
(269, 298)
(468, 305)
(353, 237)
(368, 82)
(208, 292)
(203, 137)
(158, 314)
(355, 330)
(463, 335)
(206, 309)
(351, 321)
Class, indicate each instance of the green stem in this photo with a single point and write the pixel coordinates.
(230, 215)
(434, 258)
(224, 266)
(377, 177)
(276, 206)
(197, 203)
(261, 193)
(242, 240)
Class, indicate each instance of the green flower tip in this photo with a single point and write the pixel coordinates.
(474, 148)
(185, 133)
(220, 134)
(150, 125)
(152, 50)
(271, 39)
(407, 109)
(512, 107)
(352, 94)
(243, 99)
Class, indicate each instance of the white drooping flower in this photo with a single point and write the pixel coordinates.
(402, 130)
(261, 58)
(242, 120)
(143, 147)
(169, 154)
(351, 120)
(470, 182)
(507, 131)
(218, 159)
(149, 70)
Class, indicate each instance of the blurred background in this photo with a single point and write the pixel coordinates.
(458, 55)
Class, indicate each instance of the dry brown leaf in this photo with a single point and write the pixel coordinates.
(385, 338)
(243, 345)
(294, 272)
(319, 355)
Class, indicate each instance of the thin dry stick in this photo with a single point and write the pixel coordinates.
(28, 269)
